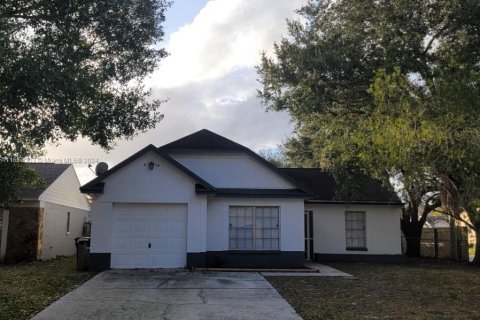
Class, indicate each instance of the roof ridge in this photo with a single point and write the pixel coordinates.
(202, 131)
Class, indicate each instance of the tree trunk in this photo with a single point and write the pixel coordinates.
(413, 235)
(453, 240)
(413, 247)
(476, 258)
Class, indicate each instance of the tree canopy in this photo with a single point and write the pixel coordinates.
(389, 89)
(75, 68)
(70, 68)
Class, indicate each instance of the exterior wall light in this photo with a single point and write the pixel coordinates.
(151, 165)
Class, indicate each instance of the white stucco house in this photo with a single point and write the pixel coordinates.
(206, 201)
(45, 220)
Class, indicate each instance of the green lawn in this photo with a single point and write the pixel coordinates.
(417, 290)
(26, 289)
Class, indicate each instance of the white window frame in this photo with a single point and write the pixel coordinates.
(361, 232)
(254, 230)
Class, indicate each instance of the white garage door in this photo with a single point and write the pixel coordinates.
(149, 236)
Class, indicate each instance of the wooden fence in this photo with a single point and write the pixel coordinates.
(436, 243)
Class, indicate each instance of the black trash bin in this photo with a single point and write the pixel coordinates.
(83, 253)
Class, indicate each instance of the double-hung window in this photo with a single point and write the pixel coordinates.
(254, 228)
(355, 230)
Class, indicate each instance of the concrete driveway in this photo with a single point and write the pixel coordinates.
(177, 294)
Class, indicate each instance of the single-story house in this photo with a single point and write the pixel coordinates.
(47, 218)
(206, 201)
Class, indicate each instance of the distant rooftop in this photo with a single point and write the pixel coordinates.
(49, 172)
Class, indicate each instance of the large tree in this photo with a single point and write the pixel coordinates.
(367, 84)
(75, 68)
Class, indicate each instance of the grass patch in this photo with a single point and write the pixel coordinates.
(26, 289)
(419, 290)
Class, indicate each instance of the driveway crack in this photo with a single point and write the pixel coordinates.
(162, 283)
(201, 296)
(165, 312)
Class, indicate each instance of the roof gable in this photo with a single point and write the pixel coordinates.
(49, 172)
(64, 191)
(97, 184)
(203, 140)
(206, 140)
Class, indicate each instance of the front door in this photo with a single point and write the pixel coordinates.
(308, 235)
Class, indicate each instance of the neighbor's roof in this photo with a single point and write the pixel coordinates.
(325, 188)
(49, 172)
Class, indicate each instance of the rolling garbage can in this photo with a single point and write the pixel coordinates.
(83, 253)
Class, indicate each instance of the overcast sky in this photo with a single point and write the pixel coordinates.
(209, 79)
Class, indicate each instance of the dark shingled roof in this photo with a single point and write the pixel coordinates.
(325, 187)
(312, 184)
(203, 140)
(49, 172)
(260, 193)
(206, 140)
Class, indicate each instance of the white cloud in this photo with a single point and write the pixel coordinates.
(225, 35)
(210, 81)
(237, 116)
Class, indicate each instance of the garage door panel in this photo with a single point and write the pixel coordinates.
(159, 244)
(167, 215)
(138, 225)
(131, 244)
(176, 227)
(167, 229)
(131, 228)
(128, 261)
(122, 244)
(157, 227)
(123, 227)
(168, 244)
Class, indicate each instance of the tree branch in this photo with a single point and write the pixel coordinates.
(429, 208)
(23, 9)
(457, 218)
(26, 17)
(434, 195)
(435, 37)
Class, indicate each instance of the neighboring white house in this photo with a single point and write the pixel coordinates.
(204, 200)
(46, 219)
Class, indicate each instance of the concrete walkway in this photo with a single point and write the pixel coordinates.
(177, 294)
(323, 271)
